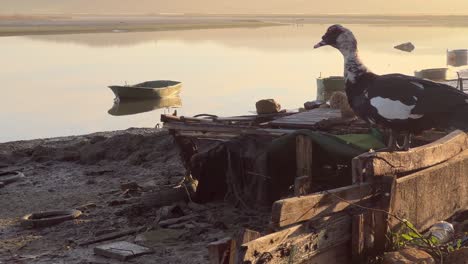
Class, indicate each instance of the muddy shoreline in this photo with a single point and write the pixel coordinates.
(88, 173)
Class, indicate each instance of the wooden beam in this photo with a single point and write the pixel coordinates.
(303, 165)
(302, 243)
(433, 194)
(369, 231)
(242, 237)
(219, 251)
(386, 163)
(357, 239)
(223, 129)
(297, 209)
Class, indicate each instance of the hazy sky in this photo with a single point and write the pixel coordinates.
(236, 6)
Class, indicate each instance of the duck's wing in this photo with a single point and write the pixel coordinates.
(421, 96)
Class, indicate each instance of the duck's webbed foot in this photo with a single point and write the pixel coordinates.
(393, 144)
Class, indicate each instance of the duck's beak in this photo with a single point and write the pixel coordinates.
(320, 44)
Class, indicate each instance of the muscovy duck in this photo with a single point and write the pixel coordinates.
(401, 103)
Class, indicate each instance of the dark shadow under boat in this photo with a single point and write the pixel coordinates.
(130, 107)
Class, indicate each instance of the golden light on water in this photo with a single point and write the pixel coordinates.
(57, 85)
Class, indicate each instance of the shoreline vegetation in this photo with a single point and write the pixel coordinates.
(17, 25)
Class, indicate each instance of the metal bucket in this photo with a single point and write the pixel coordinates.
(328, 85)
(436, 74)
(458, 57)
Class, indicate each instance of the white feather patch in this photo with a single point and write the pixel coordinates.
(418, 85)
(393, 109)
(415, 116)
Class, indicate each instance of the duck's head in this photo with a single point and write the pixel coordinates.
(340, 38)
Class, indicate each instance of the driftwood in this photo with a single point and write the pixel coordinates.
(392, 163)
(433, 194)
(302, 242)
(112, 236)
(173, 221)
(164, 197)
(297, 209)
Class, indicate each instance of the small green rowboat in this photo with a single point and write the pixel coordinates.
(146, 90)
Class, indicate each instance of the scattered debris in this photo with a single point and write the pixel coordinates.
(116, 202)
(267, 106)
(313, 104)
(8, 177)
(219, 251)
(458, 257)
(408, 256)
(87, 206)
(173, 221)
(442, 231)
(131, 186)
(339, 100)
(48, 218)
(408, 47)
(121, 250)
(161, 235)
(111, 236)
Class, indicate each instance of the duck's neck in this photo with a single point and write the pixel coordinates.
(353, 66)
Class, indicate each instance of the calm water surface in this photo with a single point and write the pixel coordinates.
(57, 85)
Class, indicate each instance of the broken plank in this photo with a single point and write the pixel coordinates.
(386, 163)
(433, 194)
(358, 240)
(243, 236)
(303, 165)
(300, 243)
(219, 251)
(112, 236)
(297, 209)
(226, 129)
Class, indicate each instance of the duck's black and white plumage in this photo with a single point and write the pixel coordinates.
(396, 101)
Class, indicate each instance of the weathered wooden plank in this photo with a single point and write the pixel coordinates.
(226, 129)
(303, 165)
(357, 238)
(300, 243)
(433, 194)
(308, 118)
(219, 251)
(297, 209)
(302, 186)
(385, 163)
(335, 255)
(242, 237)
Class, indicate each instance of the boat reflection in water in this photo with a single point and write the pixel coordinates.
(134, 106)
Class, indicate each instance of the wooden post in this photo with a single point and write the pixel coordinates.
(242, 237)
(219, 251)
(357, 238)
(302, 185)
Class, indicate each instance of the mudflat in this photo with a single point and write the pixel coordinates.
(36, 25)
(63, 24)
(105, 175)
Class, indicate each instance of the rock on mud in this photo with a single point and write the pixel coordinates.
(408, 47)
(267, 106)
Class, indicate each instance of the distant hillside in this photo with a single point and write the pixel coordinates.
(233, 6)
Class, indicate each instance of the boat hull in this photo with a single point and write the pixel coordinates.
(139, 91)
